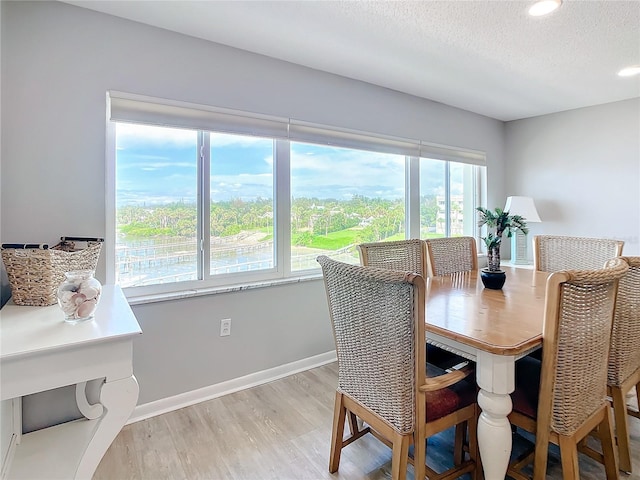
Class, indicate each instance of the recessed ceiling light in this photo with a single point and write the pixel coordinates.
(630, 71)
(544, 7)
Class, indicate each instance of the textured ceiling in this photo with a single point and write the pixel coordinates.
(489, 57)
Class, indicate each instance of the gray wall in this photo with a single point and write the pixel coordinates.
(582, 167)
(57, 63)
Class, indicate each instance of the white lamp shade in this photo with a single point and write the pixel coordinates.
(524, 207)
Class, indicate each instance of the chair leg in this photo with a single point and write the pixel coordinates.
(569, 457)
(541, 455)
(400, 456)
(420, 438)
(474, 448)
(458, 449)
(339, 413)
(622, 428)
(636, 413)
(353, 423)
(605, 430)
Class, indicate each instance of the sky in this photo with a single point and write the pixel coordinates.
(157, 165)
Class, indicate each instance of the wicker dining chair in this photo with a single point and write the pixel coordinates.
(624, 357)
(450, 255)
(564, 397)
(407, 256)
(378, 320)
(402, 255)
(552, 253)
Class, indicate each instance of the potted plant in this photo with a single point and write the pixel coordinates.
(504, 224)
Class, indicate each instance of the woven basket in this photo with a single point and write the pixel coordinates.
(35, 274)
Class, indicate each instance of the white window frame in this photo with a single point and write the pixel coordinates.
(161, 112)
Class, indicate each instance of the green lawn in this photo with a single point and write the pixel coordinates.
(343, 238)
(336, 240)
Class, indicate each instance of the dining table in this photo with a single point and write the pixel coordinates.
(493, 328)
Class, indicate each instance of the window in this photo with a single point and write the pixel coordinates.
(209, 197)
(156, 205)
(241, 208)
(341, 197)
(157, 208)
(448, 197)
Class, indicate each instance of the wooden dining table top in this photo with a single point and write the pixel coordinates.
(502, 322)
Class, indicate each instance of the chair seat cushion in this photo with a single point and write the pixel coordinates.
(447, 400)
(525, 396)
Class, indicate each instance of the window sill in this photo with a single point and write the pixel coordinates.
(199, 292)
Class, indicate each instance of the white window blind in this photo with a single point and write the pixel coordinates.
(312, 133)
(140, 109)
(126, 107)
(452, 154)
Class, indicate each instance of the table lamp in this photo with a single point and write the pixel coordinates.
(524, 207)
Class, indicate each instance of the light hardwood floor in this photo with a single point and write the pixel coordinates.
(280, 430)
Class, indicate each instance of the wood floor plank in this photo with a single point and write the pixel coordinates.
(280, 431)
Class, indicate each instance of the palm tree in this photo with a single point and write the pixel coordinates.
(503, 224)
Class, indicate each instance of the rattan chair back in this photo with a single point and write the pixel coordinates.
(449, 255)
(624, 357)
(576, 338)
(403, 255)
(572, 399)
(375, 340)
(378, 321)
(553, 253)
(573, 384)
(411, 256)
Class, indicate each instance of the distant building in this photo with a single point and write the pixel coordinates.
(457, 215)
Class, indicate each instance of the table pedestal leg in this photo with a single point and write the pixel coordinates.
(494, 434)
(119, 398)
(496, 379)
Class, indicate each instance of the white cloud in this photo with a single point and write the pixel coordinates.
(352, 168)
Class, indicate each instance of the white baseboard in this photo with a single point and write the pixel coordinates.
(186, 399)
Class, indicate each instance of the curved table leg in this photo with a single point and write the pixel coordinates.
(90, 411)
(119, 398)
(496, 379)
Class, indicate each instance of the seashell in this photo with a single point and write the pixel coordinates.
(65, 296)
(78, 298)
(68, 307)
(78, 295)
(89, 292)
(86, 309)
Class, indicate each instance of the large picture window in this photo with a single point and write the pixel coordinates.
(241, 207)
(208, 197)
(341, 197)
(156, 205)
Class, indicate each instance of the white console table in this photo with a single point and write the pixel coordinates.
(39, 352)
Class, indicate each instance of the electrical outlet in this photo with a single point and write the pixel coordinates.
(225, 327)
